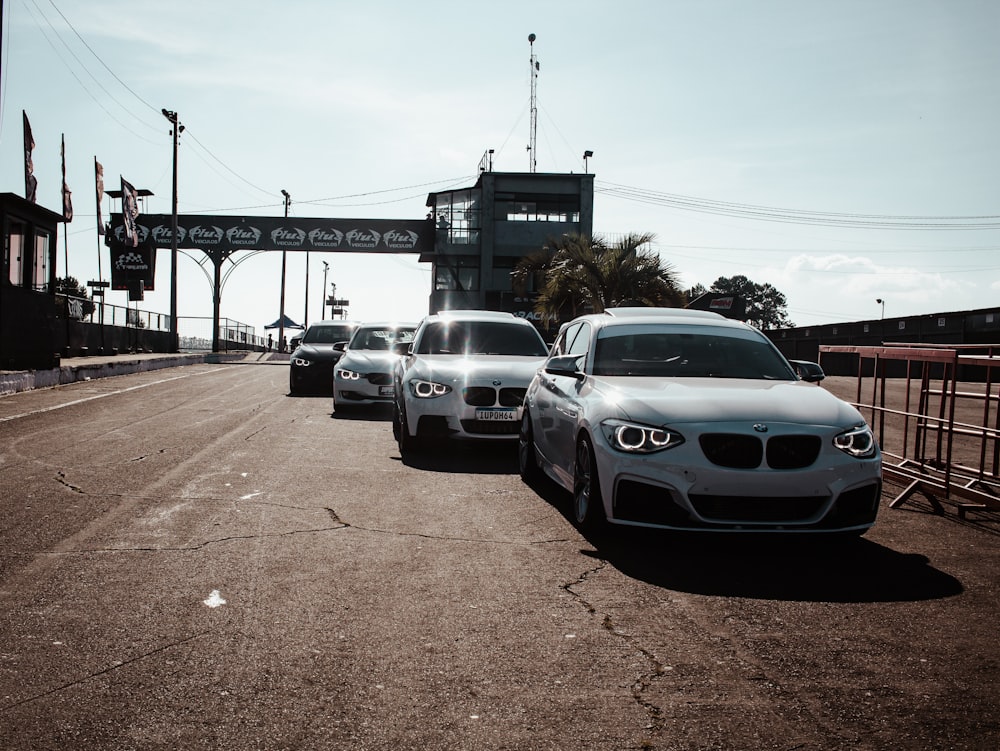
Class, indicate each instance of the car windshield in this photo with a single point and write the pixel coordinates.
(327, 334)
(380, 338)
(677, 354)
(480, 338)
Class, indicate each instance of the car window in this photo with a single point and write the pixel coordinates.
(327, 334)
(480, 338)
(580, 343)
(562, 343)
(681, 354)
(380, 338)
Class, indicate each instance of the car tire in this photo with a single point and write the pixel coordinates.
(588, 504)
(527, 459)
(407, 444)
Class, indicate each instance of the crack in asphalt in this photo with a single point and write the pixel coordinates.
(644, 680)
(61, 479)
(443, 538)
(103, 671)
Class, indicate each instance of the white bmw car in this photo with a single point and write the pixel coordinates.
(464, 376)
(363, 375)
(685, 420)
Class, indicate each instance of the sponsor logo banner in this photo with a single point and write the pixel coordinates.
(230, 233)
(130, 264)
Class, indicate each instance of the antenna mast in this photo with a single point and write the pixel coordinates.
(532, 143)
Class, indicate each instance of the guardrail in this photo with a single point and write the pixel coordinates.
(939, 437)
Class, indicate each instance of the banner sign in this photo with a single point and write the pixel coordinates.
(232, 233)
(130, 264)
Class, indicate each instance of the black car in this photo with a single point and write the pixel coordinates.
(311, 366)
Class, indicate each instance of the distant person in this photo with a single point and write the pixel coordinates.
(270, 342)
(284, 344)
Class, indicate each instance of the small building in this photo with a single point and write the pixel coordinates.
(483, 231)
(29, 315)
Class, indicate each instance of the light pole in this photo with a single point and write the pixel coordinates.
(284, 254)
(326, 268)
(881, 302)
(586, 156)
(175, 131)
(305, 319)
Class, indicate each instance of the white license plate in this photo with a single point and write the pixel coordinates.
(497, 415)
(385, 391)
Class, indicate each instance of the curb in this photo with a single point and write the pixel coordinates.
(12, 382)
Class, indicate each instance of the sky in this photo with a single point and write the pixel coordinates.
(842, 152)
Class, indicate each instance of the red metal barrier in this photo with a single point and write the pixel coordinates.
(946, 445)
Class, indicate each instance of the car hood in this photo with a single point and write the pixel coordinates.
(661, 401)
(368, 360)
(317, 352)
(509, 370)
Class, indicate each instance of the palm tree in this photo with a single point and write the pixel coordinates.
(576, 274)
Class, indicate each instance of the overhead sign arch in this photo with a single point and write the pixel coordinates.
(221, 236)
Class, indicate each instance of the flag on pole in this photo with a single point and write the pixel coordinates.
(30, 183)
(66, 192)
(99, 180)
(130, 212)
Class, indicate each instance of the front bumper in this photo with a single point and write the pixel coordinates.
(835, 494)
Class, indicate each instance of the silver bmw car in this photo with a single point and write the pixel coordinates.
(363, 375)
(686, 420)
(464, 376)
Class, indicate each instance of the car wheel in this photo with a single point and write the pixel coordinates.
(588, 505)
(407, 443)
(527, 460)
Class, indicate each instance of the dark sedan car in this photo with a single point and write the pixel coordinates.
(311, 366)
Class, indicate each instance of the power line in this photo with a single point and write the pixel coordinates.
(795, 216)
(98, 58)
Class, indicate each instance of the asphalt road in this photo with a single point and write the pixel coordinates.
(190, 558)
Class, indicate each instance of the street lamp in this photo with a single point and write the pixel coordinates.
(175, 131)
(586, 155)
(326, 267)
(284, 256)
(881, 302)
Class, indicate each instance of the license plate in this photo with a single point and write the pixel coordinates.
(385, 391)
(497, 415)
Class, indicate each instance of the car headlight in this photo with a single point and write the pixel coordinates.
(348, 375)
(301, 362)
(634, 438)
(859, 442)
(428, 389)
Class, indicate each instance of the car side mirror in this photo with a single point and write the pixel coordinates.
(565, 365)
(401, 348)
(340, 346)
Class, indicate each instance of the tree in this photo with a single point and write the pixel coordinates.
(70, 287)
(576, 274)
(767, 308)
(695, 292)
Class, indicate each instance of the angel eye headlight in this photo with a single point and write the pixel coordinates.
(428, 389)
(858, 442)
(301, 362)
(635, 438)
(348, 375)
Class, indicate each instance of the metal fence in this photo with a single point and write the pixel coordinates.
(195, 335)
(194, 332)
(940, 436)
(96, 310)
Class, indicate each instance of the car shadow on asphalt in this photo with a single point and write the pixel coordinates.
(806, 568)
(373, 413)
(485, 458)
